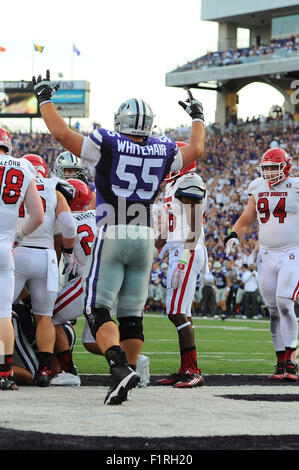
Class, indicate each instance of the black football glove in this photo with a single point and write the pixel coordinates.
(43, 89)
(193, 108)
(66, 189)
(231, 241)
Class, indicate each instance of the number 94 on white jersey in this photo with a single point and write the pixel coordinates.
(277, 212)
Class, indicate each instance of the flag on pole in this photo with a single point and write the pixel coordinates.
(38, 48)
(76, 50)
(2, 49)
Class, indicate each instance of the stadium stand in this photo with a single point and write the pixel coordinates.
(276, 48)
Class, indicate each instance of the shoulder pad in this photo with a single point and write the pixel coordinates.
(191, 186)
(294, 182)
(66, 189)
(253, 185)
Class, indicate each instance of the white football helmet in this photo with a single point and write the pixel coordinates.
(217, 266)
(67, 161)
(134, 117)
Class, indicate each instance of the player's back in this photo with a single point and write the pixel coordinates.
(85, 235)
(128, 173)
(15, 177)
(43, 236)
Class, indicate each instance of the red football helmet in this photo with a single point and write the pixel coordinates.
(39, 164)
(5, 140)
(187, 169)
(82, 195)
(275, 166)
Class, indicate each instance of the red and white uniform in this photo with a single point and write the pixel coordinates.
(278, 258)
(35, 257)
(180, 300)
(69, 302)
(15, 176)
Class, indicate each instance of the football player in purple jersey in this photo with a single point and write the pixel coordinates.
(129, 165)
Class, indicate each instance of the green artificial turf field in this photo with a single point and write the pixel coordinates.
(223, 347)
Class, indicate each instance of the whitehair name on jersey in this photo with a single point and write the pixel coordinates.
(148, 150)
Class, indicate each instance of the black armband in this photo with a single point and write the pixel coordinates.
(231, 235)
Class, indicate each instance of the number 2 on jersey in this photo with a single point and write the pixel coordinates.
(279, 211)
(87, 240)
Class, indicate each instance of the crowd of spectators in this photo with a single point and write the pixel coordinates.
(274, 49)
(230, 163)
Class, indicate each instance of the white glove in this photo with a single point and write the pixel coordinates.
(19, 237)
(71, 263)
(179, 273)
(230, 245)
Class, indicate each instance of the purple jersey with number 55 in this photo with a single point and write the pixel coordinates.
(128, 175)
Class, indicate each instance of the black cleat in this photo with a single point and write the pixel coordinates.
(123, 378)
(43, 378)
(291, 371)
(279, 371)
(7, 383)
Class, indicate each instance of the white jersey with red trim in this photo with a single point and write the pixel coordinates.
(178, 226)
(86, 227)
(15, 176)
(43, 235)
(68, 305)
(277, 213)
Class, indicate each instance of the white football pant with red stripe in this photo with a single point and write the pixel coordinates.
(180, 300)
(278, 277)
(69, 302)
(33, 267)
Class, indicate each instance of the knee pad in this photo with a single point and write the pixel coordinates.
(130, 328)
(96, 317)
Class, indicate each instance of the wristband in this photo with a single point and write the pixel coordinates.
(45, 102)
(198, 120)
(231, 235)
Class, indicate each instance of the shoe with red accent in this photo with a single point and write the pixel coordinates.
(291, 371)
(190, 379)
(43, 377)
(279, 372)
(170, 379)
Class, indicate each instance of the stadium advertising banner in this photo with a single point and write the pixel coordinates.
(17, 99)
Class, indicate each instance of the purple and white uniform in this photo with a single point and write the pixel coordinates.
(127, 178)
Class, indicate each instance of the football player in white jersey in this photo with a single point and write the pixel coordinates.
(17, 185)
(69, 302)
(36, 263)
(274, 203)
(185, 201)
